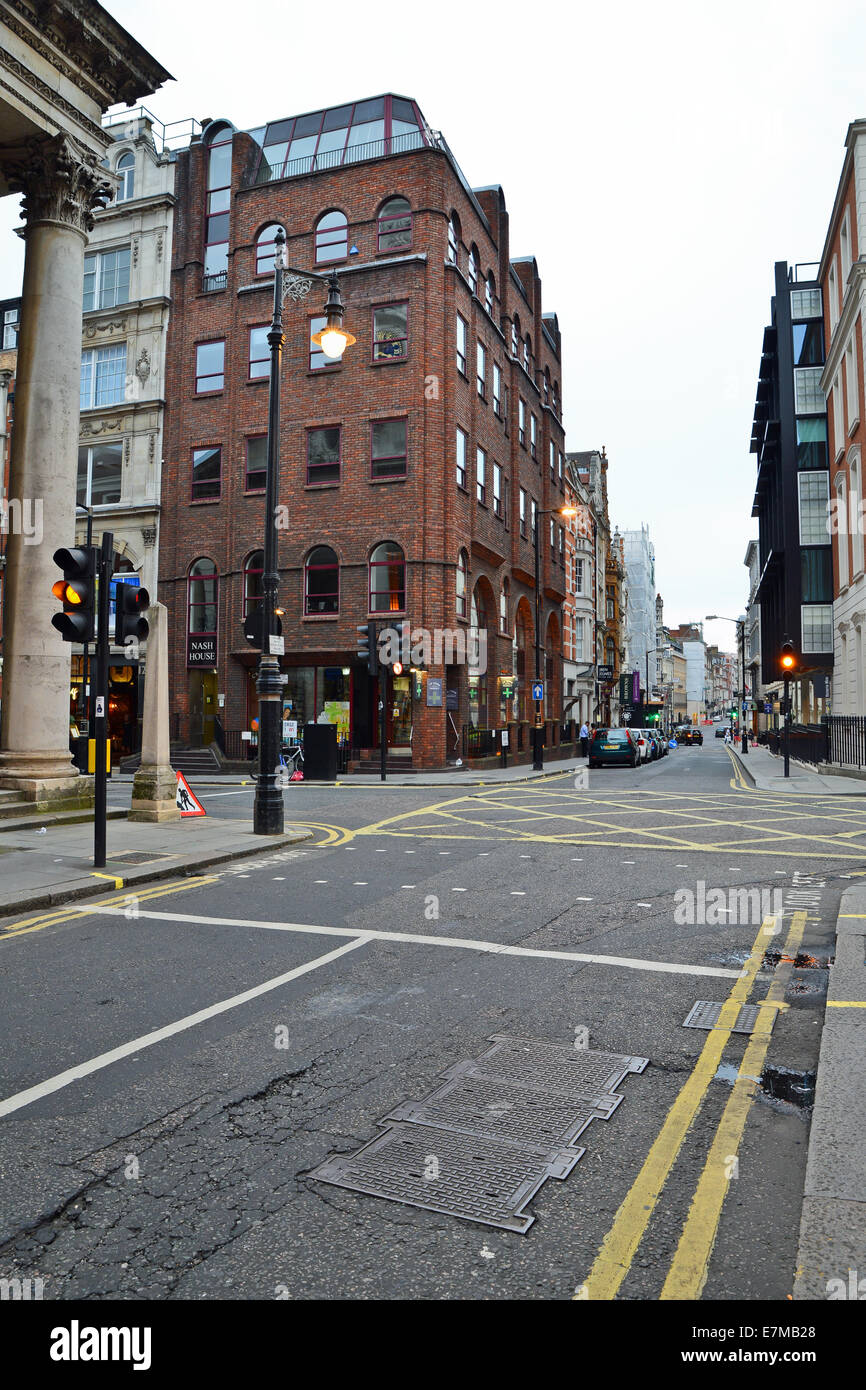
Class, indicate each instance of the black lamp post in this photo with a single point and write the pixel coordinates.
(268, 804)
(537, 738)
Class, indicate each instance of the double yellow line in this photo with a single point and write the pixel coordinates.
(71, 914)
(688, 1271)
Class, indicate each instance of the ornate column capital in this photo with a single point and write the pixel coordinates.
(62, 181)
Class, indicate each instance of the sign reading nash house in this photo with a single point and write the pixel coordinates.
(201, 650)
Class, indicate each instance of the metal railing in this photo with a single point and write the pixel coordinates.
(809, 743)
(847, 740)
(171, 136)
(354, 154)
(480, 743)
(215, 282)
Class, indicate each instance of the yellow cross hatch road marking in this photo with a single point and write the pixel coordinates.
(620, 1245)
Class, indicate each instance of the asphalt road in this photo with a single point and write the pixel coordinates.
(175, 1165)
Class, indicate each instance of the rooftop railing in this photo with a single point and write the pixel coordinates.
(175, 135)
(353, 154)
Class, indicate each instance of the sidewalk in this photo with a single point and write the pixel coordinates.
(39, 871)
(833, 1223)
(456, 777)
(766, 773)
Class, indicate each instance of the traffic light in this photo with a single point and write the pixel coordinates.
(131, 603)
(367, 637)
(77, 592)
(788, 659)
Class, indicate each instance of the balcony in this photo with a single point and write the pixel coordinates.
(214, 282)
(352, 154)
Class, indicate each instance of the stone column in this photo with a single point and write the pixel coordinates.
(154, 787)
(62, 183)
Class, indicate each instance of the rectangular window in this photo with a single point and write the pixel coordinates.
(609, 609)
(816, 577)
(845, 253)
(851, 388)
(523, 512)
(106, 279)
(323, 455)
(521, 421)
(814, 518)
(210, 359)
(552, 460)
(388, 449)
(257, 462)
(817, 627)
(10, 328)
(497, 390)
(561, 465)
(562, 545)
(533, 518)
(808, 343)
(99, 475)
(833, 288)
(206, 473)
(533, 436)
(390, 332)
(808, 396)
(838, 425)
(480, 478)
(497, 490)
(578, 639)
(481, 369)
(317, 357)
(812, 442)
(461, 345)
(806, 304)
(552, 535)
(103, 376)
(260, 353)
(460, 457)
(578, 576)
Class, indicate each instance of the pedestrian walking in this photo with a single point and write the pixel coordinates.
(584, 740)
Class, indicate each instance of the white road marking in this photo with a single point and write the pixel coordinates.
(360, 883)
(105, 1059)
(628, 861)
(459, 890)
(583, 900)
(320, 880)
(211, 796)
(643, 904)
(497, 948)
(518, 893)
(279, 878)
(407, 885)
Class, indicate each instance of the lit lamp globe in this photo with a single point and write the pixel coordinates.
(333, 340)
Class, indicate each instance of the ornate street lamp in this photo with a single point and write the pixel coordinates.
(333, 339)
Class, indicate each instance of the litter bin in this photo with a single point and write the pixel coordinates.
(320, 752)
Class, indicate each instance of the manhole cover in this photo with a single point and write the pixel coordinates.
(137, 856)
(705, 1014)
(472, 1104)
(478, 1179)
(551, 1067)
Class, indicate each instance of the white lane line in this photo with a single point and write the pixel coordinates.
(583, 900)
(518, 893)
(459, 890)
(412, 939)
(105, 1059)
(211, 796)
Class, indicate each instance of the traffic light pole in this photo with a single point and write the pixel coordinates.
(383, 721)
(787, 728)
(100, 721)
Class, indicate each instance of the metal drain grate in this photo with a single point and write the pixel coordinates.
(137, 856)
(487, 1105)
(705, 1014)
(550, 1067)
(478, 1179)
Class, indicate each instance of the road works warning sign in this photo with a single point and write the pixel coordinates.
(187, 803)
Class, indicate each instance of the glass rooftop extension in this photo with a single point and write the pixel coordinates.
(321, 140)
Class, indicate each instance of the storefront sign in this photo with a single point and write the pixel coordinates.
(605, 674)
(434, 692)
(201, 651)
(451, 698)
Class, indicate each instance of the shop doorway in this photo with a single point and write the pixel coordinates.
(202, 707)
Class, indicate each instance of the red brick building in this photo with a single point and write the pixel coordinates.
(410, 471)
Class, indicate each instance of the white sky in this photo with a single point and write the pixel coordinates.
(656, 159)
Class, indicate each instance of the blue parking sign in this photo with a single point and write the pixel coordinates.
(538, 690)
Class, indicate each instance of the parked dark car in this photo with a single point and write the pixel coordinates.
(613, 746)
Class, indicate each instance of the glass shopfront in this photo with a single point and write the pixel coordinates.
(309, 693)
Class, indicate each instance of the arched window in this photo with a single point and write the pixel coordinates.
(395, 224)
(253, 592)
(527, 351)
(473, 269)
(265, 248)
(556, 398)
(219, 180)
(203, 597)
(453, 237)
(503, 607)
(387, 579)
(489, 292)
(322, 581)
(515, 335)
(332, 238)
(462, 576)
(126, 170)
(547, 386)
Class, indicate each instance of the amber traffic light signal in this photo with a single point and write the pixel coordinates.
(77, 592)
(788, 659)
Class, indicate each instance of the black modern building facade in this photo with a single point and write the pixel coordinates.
(792, 491)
